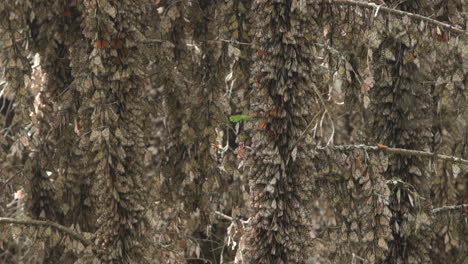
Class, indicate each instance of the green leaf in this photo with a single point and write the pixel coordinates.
(239, 118)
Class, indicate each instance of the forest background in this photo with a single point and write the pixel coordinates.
(203, 131)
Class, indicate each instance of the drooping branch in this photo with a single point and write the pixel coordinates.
(400, 151)
(281, 89)
(450, 208)
(61, 228)
(117, 125)
(381, 8)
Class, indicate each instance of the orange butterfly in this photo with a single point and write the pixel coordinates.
(19, 194)
(262, 125)
(101, 44)
(116, 44)
(67, 13)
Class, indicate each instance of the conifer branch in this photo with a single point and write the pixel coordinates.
(396, 12)
(61, 228)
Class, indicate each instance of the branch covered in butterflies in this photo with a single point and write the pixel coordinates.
(61, 228)
(400, 151)
(385, 9)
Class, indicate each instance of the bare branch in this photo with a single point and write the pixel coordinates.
(396, 12)
(232, 41)
(426, 154)
(450, 208)
(154, 41)
(227, 217)
(400, 151)
(61, 228)
(304, 132)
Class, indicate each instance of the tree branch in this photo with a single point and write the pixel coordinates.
(399, 13)
(400, 151)
(227, 217)
(232, 41)
(61, 228)
(449, 208)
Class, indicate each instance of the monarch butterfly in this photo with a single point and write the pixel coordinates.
(262, 125)
(77, 127)
(116, 44)
(275, 113)
(240, 151)
(67, 13)
(18, 194)
(215, 146)
(439, 35)
(101, 44)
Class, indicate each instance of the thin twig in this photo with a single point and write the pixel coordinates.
(304, 132)
(382, 8)
(232, 41)
(61, 228)
(400, 151)
(227, 217)
(148, 40)
(330, 140)
(449, 208)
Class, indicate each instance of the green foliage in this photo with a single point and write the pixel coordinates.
(239, 118)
